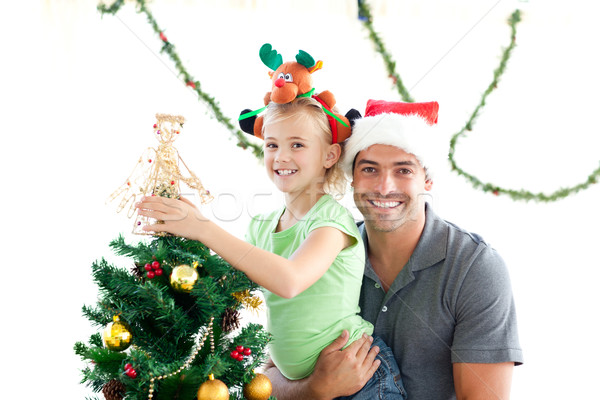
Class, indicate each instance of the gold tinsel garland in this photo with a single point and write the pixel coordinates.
(188, 362)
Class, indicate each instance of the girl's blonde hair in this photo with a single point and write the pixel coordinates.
(310, 109)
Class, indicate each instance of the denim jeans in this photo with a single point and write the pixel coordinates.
(386, 382)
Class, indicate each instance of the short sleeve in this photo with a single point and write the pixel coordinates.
(250, 236)
(486, 322)
(336, 216)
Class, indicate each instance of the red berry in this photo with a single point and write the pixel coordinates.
(240, 357)
(128, 366)
(155, 265)
(247, 352)
(154, 126)
(131, 373)
(234, 354)
(158, 272)
(150, 274)
(239, 349)
(148, 267)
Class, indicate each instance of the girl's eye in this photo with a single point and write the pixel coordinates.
(297, 145)
(270, 145)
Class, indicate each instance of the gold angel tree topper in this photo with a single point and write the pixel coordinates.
(157, 173)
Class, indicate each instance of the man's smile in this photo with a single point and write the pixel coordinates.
(385, 204)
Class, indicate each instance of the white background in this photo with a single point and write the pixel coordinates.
(79, 94)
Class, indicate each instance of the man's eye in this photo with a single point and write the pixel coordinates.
(369, 169)
(404, 171)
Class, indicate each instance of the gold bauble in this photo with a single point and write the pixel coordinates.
(259, 388)
(213, 389)
(117, 335)
(183, 278)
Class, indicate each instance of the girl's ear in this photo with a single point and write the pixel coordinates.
(333, 155)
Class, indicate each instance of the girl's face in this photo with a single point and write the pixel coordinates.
(296, 155)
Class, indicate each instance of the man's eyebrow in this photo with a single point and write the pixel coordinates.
(397, 163)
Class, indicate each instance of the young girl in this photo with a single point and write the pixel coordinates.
(308, 255)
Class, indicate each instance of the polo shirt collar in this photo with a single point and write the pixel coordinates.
(432, 246)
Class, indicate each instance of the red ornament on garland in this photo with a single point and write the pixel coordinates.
(163, 37)
(192, 85)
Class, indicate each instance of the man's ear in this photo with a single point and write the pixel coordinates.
(428, 184)
(333, 155)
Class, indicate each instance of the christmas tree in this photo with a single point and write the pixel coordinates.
(170, 320)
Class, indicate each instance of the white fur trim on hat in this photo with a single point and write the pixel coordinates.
(407, 132)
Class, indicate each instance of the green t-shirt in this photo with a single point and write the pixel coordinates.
(304, 325)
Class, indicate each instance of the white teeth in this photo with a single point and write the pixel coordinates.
(386, 204)
(285, 171)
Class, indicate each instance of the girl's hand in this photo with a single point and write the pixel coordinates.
(180, 217)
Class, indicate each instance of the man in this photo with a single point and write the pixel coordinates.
(439, 296)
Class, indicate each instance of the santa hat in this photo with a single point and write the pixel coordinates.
(408, 126)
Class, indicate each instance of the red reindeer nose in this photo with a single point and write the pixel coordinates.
(279, 82)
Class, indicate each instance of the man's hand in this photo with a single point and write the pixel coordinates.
(337, 372)
(343, 372)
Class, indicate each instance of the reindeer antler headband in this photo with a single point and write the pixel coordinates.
(289, 81)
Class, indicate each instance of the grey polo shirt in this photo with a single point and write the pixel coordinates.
(452, 302)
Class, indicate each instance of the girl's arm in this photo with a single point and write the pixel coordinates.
(284, 277)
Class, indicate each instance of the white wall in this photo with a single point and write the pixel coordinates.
(79, 94)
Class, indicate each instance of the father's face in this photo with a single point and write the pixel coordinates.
(388, 185)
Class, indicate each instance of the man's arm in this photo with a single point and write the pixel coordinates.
(483, 381)
(337, 372)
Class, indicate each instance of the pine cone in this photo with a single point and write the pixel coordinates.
(231, 320)
(138, 271)
(113, 390)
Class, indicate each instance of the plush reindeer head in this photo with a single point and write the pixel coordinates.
(289, 79)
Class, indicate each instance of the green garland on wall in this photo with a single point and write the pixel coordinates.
(390, 64)
(169, 49)
(365, 12)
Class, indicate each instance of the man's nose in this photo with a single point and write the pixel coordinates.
(385, 184)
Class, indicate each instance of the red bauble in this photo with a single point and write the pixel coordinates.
(150, 274)
(239, 349)
(155, 265)
(240, 357)
(131, 373)
(148, 267)
(158, 272)
(128, 366)
(234, 354)
(247, 352)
